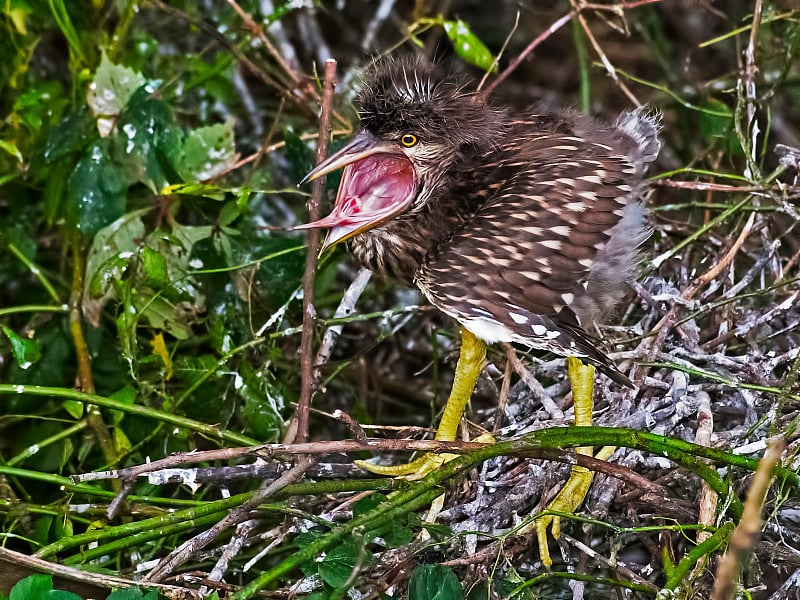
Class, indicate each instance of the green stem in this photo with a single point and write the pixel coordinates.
(34, 308)
(210, 430)
(36, 271)
(36, 448)
(715, 541)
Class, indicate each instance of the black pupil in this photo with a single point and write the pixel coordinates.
(408, 139)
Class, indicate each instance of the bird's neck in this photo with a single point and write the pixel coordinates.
(397, 248)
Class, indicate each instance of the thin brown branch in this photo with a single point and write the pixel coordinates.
(555, 26)
(90, 578)
(612, 72)
(307, 382)
(747, 532)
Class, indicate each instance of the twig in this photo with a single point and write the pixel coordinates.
(747, 532)
(186, 550)
(750, 89)
(602, 55)
(345, 308)
(309, 314)
(93, 578)
(708, 499)
(499, 54)
(558, 24)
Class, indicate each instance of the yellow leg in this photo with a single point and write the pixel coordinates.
(470, 363)
(581, 377)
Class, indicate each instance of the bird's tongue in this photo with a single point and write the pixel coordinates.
(372, 190)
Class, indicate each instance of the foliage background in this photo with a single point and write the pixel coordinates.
(149, 156)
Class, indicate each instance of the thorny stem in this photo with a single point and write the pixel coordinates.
(309, 315)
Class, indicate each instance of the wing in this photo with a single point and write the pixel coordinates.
(519, 270)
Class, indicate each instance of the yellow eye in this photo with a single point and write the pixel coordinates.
(408, 140)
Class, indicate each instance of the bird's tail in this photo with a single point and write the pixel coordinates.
(591, 354)
(642, 126)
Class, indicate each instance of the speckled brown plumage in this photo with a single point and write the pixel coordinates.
(523, 227)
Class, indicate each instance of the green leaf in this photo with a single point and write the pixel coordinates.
(112, 249)
(39, 587)
(32, 587)
(161, 314)
(11, 148)
(147, 141)
(96, 191)
(717, 128)
(109, 93)
(154, 268)
(264, 403)
(71, 135)
(434, 582)
(74, 408)
(438, 532)
(25, 351)
(468, 46)
(196, 189)
(207, 152)
(338, 564)
(42, 102)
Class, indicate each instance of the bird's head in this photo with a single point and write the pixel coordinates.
(417, 122)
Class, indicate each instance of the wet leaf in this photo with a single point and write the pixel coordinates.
(26, 352)
(72, 134)
(299, 155)
(207, 152)
(154, 268)
(147, 141)
(264, 403)
(109, 93)
(112, 249)
(96, 191)
(468, 46)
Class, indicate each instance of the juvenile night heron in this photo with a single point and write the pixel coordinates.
(522, 226)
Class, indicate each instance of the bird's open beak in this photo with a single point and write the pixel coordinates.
(378, 183)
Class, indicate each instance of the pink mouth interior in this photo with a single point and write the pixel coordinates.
(373, 189)
(374, 186)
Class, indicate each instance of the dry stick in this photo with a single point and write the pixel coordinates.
(665, 324)
(747, 532)
(533, 384)
(94, 578)
(186, 550)
(345, 308)
(603, 58)
(499, 54)
(708, 498)
(309, 315)
(254, 27)
(558, 24)
(280, 450)
(750, 84)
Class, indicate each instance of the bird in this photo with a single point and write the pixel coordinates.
(524, 226)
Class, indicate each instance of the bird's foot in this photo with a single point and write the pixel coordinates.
(566, 501)
(419, 468)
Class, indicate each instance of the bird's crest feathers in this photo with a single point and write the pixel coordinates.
(411, 95)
